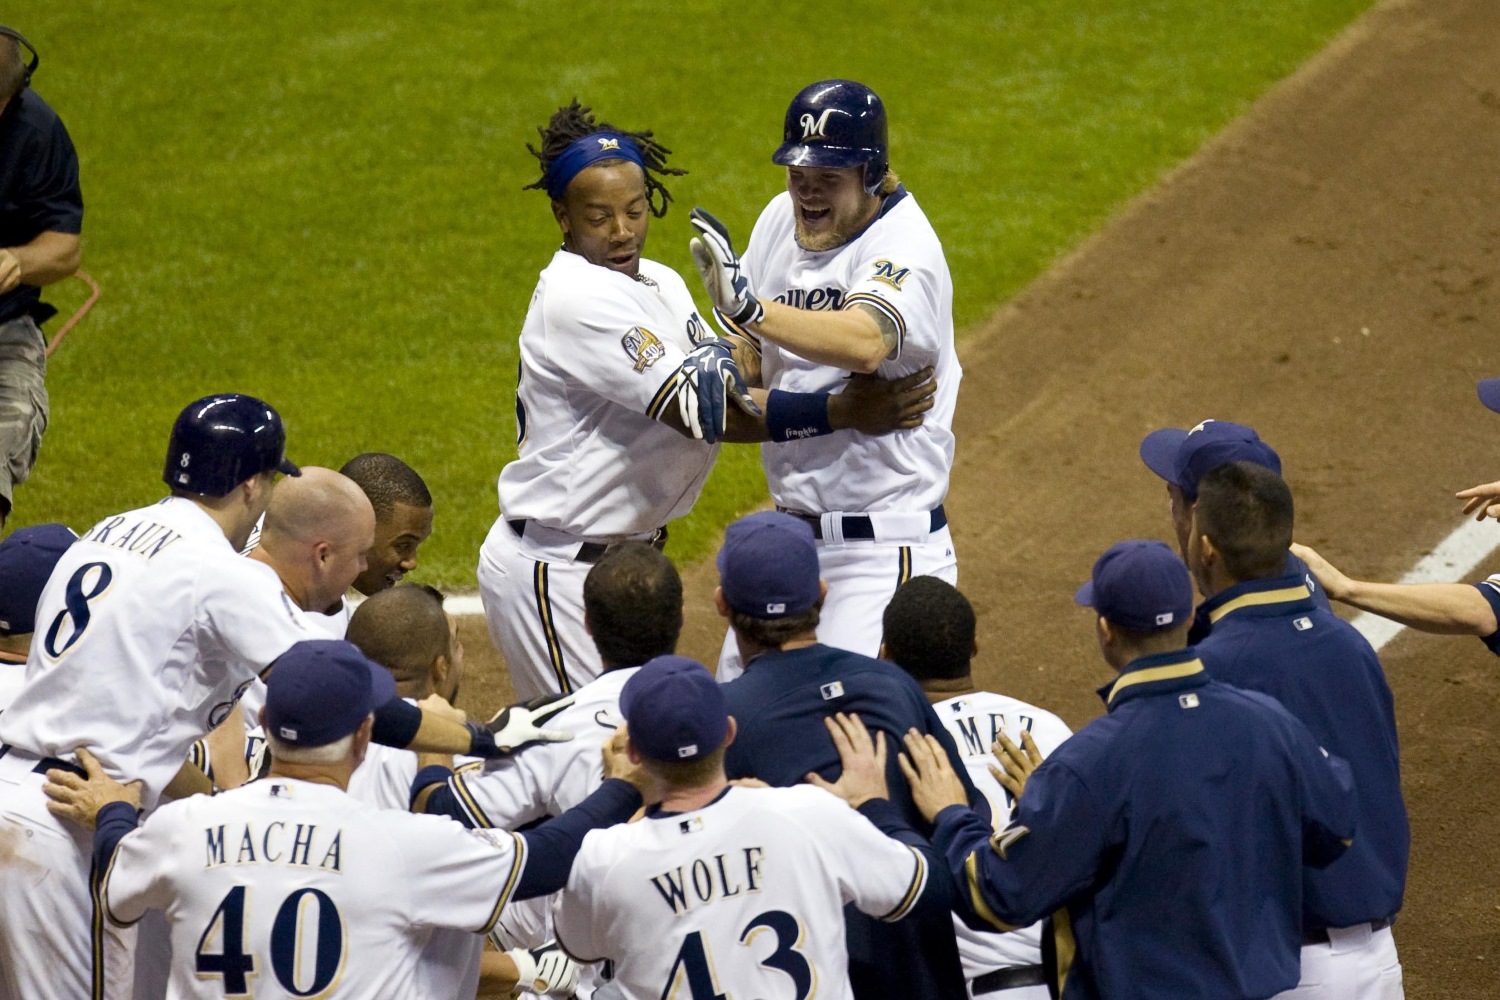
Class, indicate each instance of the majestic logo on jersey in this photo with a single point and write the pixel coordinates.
(643, 347)
(609, 143)
(813, 298)
(815, 128)
(889, 274)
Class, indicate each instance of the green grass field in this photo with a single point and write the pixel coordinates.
(320, 203)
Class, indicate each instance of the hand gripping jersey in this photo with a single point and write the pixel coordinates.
(288, 888)
(895, 265)
(975, 721)
(149, 629)
(743, 897)
(600, 353)
(549, 778)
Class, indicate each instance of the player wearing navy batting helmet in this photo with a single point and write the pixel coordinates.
(844, 276)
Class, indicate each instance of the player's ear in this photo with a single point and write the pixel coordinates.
(881, 655)
(719, 602)
(734, 730)
(822, 592)
(438, 672)
(560, 213)
(260, 717)
(362, 739)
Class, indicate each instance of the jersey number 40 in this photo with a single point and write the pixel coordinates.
(306, 946)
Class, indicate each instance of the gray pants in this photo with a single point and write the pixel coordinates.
(23, 402)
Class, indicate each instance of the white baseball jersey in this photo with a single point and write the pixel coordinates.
(294, 886)
(12, 676)
(549, 778)
(600, 353)
(149, 629)
(895, 265)
(975, 721)
(743, 897)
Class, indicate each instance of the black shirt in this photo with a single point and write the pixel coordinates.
(39, 189)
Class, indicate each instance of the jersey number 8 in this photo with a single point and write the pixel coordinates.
(307, 944)
(76, 606)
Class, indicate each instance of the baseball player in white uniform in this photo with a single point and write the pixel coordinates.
(724, 891)
(928, 631)
(292, 885)
(621, 400)
(843, 273)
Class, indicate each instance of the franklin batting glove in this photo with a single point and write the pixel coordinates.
(518, 726)
(719, 266)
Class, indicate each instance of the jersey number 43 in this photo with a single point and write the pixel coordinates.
(695, 969)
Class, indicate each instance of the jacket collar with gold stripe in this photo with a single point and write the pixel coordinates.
(1272, 595)
(1158, 674)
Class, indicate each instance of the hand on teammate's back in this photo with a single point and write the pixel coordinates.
(1482, 501)
(934, 785)
(439, 706)
(1016, 763)
(617, 764)
(1335, 584)
(80, 799)
(874, 405)
(863, 761)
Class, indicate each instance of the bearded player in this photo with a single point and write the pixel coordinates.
(622, 397)
(844, 274)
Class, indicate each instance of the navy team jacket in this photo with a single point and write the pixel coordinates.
(1270, 635)
(1166, 839)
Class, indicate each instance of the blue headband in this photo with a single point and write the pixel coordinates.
(588, 150)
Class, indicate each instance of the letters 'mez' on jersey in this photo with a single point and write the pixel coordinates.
(975, 721)
(896, 266)
(549, 778)
(149, 629)
(284, 888)
(743, 897)
(600, 354)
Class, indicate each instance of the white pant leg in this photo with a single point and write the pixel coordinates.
(534, 609)
(1354, 965)
(862, 576)
(49, 938)
(153, 956)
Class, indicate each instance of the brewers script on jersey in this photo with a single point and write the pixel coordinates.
(975, 721)
(741, 897)
(600, 359)
(343, 893)
(896, 265)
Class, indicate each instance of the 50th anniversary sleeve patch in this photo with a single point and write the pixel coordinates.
(642, 347)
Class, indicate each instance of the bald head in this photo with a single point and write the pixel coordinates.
(405, 630)
(318, 531)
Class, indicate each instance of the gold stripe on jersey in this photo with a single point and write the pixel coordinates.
(549, 629)
(468, 803)
(1171, 671)
(517, 865)
(1062, 950)
(914, 890)
(885, 309)
(664, 395)
(101, 896)
(1282, 596)
(904, 562)
(96, 929)
(976, 896)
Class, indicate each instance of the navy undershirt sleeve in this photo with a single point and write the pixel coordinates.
(111, 825)
(551, 847)
(396, 723)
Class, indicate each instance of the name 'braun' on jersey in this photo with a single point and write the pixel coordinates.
(600, 353)
(148, 631)
(975, 721)
(742, 897)
(897, 266)
(285, 888)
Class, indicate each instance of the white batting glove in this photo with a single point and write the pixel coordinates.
(719, 267)
(545, 971)
(516, 726)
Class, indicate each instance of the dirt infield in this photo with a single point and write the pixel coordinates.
(1325, 271)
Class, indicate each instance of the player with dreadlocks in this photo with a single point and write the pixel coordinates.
(622, 398)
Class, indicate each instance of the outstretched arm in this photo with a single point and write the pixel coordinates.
(1441, 608)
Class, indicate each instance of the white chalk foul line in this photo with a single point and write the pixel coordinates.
(1454, 558)
(463, 604)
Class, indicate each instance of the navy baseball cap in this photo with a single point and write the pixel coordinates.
(1489, 393)
(768, 565)
(675, 710)
(1140, 585)
(1183, 458)
(320, 690)
(27, 558)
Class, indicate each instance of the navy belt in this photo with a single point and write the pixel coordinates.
(1010, 979)
(1319, 935)
(591, 552)
(51, 764)
(860, 527)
